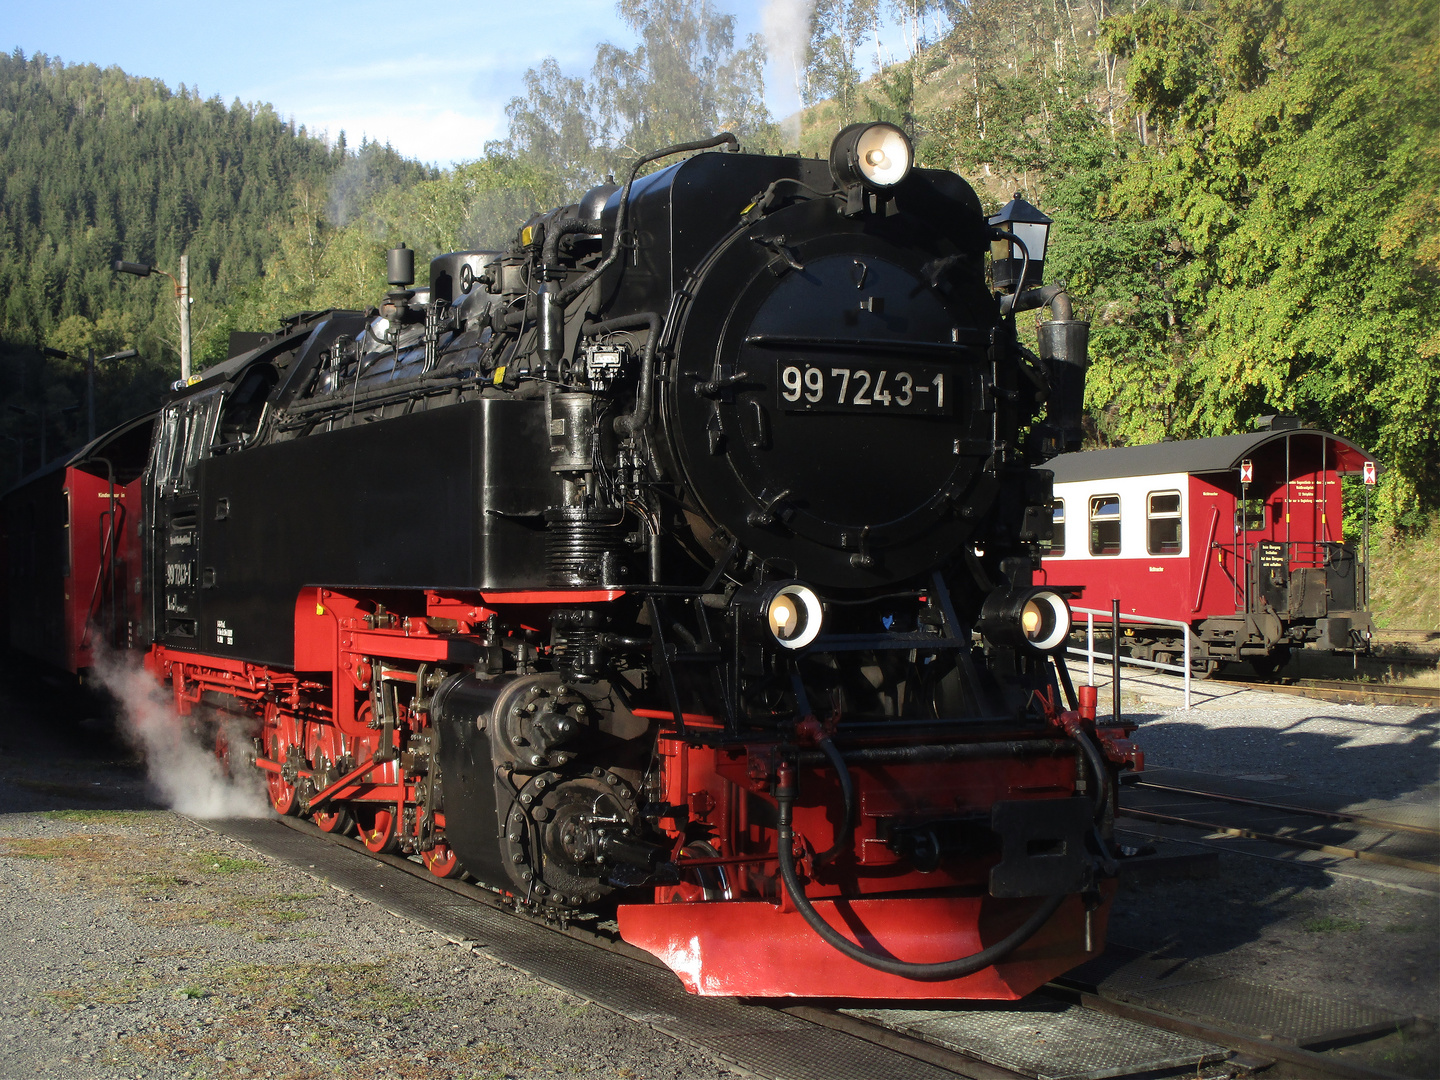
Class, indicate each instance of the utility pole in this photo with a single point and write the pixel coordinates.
(184, 318)
(90, 359)
(182, 296)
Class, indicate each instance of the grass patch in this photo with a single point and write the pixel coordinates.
(162, 881)
(363, 990)
(269, 907)
(100, 817)
(1331, 924)
(1405, 579)
(212, 862)
(124, 992)
(77, 848)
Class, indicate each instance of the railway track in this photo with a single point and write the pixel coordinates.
(1341, 691)
(1365, 837)
(1070, 1018)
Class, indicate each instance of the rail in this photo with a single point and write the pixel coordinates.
(1117, 620)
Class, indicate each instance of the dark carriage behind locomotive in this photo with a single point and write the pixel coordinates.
(73, 552)
(694, 525)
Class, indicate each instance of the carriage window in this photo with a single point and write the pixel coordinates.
(1249, 515)
(1057, 529)
(1105, 525)
(1163, 520)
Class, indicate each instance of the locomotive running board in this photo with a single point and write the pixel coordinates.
(753, 949)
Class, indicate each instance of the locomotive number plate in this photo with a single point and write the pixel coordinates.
(917, 389)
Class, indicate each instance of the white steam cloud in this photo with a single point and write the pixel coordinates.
(186, 775)
(786, 24)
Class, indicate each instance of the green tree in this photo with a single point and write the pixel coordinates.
(1295, 167)
(832, 73)
(685, 79)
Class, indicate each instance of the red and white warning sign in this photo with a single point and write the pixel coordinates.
(1247, 471)
(1370, 472)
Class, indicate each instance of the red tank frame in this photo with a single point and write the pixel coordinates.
(729, 930)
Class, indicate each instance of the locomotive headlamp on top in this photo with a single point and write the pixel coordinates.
(1036, 619)
(874, 156)
(784, 612)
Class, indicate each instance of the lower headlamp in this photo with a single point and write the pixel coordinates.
(786, 613)
(1034, 618)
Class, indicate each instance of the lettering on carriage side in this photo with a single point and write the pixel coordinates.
(179, 574)
(224, 635)
(176, 605)
(181, 539)
(1157, 569)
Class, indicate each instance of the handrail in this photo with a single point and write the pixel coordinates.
(104, 576)
(1205, 569)
(1149, 620)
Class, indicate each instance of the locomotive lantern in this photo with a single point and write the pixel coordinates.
(1021, 250)
(674, 562)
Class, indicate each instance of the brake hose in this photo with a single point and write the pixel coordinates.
(847, 797)
(1102, 774)
(949, 969)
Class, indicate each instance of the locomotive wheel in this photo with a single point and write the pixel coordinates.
(377, 829)
(222, 753)
(282, 793)
(441, 861)
(701, 882)
(334, 819)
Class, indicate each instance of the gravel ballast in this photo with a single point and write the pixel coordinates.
(1294, 926)
(140, 944)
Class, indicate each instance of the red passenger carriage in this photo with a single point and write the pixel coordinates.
(1238, 536)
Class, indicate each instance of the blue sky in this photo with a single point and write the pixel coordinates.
(431, 79)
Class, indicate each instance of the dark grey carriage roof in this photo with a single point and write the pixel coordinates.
(1219, 454)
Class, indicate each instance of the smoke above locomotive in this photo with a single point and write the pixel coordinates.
(675, 561)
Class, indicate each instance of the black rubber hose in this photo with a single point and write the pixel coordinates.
(1098, 767)
(556, 230)
(847, 797)
(939, 972)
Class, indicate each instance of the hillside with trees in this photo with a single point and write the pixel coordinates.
(1246, 192)
(97, 165)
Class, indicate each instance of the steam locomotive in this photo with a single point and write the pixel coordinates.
(675, 562)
